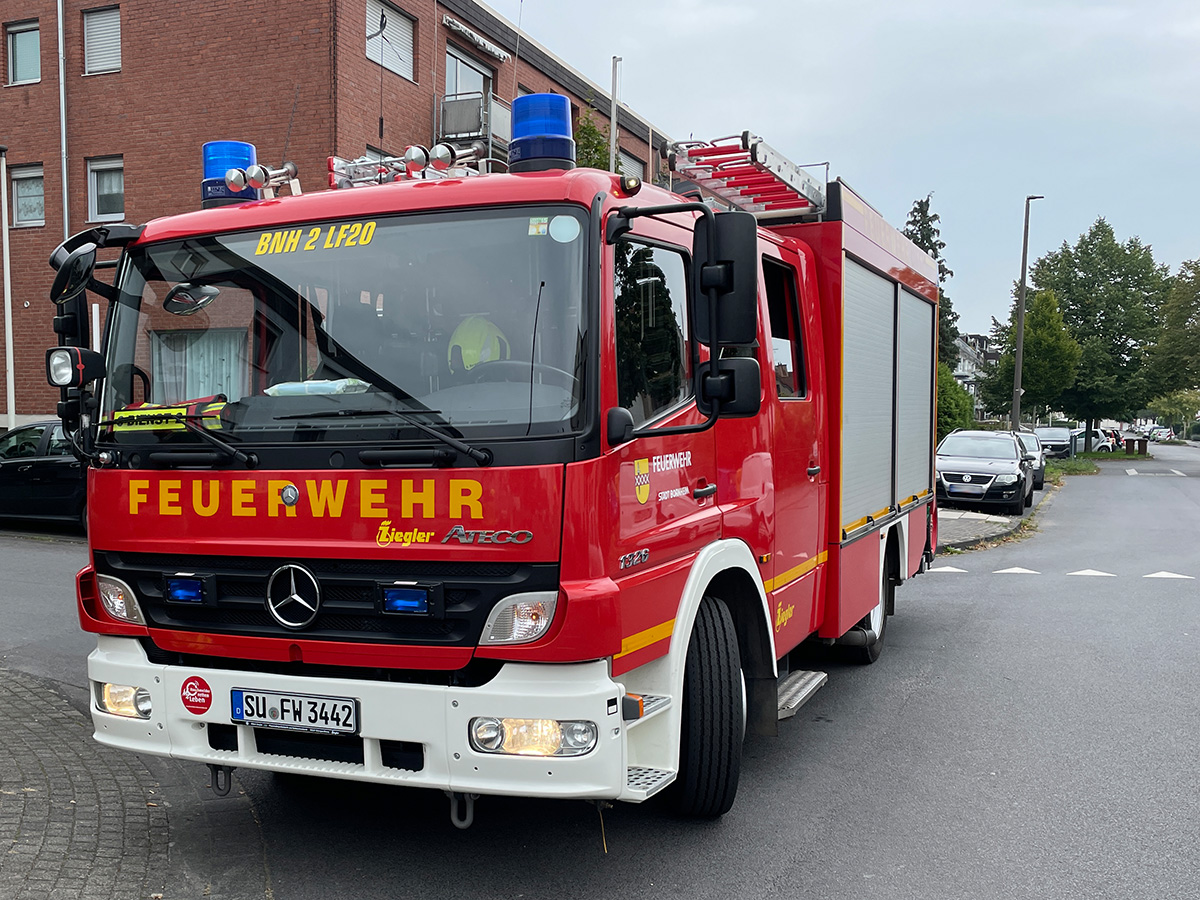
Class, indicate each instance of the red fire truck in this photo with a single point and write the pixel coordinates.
(525, 483)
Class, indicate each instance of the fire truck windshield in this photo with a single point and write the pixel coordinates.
(474, 319)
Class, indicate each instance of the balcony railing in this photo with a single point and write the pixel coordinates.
(474, 116)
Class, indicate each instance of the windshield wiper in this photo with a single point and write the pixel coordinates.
(249, 460)
(483, 457)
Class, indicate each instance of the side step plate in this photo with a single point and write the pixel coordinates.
(643, 782)
(796, 689)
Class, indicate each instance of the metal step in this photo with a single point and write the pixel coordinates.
(796, 689)
(645, 782)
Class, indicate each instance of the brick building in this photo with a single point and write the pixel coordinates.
(144, 84)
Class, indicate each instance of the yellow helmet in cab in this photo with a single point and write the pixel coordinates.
(476, 340)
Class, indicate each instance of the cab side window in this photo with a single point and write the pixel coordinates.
(653, 360)
(787, 345)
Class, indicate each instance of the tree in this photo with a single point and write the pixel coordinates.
(955, 408)
(1177, 406)
(1174, 361)
(922, 229)
(591, 142)
(1109, 293)
(1049, 358)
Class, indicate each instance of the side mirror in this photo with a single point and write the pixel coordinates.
(187, 299)
(619, 426)
(733, 271)
(73, 367)
(73, 275)
(737, 384)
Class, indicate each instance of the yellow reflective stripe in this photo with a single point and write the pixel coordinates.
(792, 574)
(880, 513)
(857, 523)
(645, 638)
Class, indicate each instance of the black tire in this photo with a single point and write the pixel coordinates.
(1039, 483)
(1017, 507)
(871, 652)
(710, 738)
(1029, 499)
(83, 518)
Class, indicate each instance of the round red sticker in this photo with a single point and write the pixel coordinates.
(197, 695)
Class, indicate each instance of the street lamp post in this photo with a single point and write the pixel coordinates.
(1020, 348)
(9, 375)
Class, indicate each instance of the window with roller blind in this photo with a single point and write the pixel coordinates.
(102, 40)
(390, 38)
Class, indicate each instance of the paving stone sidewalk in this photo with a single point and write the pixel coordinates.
(80, 821)
(962, 529)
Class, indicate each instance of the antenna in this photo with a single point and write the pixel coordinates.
(517, 53)
(383, 37)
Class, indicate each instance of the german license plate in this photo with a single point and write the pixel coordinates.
(967, 490)
(298, 712)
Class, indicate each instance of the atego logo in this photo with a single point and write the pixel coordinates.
(196, 695)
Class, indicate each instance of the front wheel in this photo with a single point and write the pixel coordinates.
(710, 748)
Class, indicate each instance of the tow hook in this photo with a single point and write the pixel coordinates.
(462, 809)
(222, 778)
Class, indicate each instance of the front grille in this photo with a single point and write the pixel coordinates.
(960, 478)
(236, 593)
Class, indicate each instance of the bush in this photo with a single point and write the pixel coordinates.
(954, 406)
(1195, 432)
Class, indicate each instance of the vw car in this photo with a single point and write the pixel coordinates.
(985, 467)
(40, 478)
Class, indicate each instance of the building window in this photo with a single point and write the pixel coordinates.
(24, 53)
(464, 75)
(29, 196)
(390, 38)
(106, 189)
(630, 165)
(102, 40)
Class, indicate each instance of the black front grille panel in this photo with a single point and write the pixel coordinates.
(349, 588)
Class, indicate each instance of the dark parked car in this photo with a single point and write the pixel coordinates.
(987, 467)
(39, 476)
(1056, 442)
(1033, 445)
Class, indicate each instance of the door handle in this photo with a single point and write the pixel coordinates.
(24, 468)
(814, 470)
(706, 490)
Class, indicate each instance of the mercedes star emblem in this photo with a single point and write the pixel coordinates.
(289, 494)
(293, 596)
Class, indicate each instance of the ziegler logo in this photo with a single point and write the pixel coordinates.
(487, 537)
(641, 479)
(196, 695)
(783, 616)
(389, 535)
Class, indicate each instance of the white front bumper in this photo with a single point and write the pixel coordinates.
(432, 716)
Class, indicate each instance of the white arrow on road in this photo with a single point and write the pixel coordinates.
(1016, 570)
(1094, 573)
(1169, 575)
(949, 569)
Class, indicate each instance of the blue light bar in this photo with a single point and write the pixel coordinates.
(185, 590)
(413, 601)
(542, 137)
(219, 157)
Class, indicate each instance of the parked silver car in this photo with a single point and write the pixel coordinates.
(1033, 445)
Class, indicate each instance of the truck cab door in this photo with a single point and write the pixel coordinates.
(797, 450)
(665, 503)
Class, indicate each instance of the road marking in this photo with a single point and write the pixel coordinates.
(1180, 474)
(947, 569)
(1169, 575)
(1131, 471)
(1093, 572)
(1016, 570)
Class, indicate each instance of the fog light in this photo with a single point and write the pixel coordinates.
(118, 599)
(60, 368)
(532, 737)
(123, 700)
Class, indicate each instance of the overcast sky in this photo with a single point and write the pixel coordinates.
(1096, 105)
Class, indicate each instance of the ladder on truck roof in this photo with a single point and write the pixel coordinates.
(746, 171)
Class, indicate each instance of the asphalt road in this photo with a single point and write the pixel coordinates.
(1026, 734)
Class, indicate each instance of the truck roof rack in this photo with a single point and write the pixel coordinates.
(746, 171)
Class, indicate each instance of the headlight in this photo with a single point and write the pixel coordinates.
(124, 700)
(520, 618)
(532, 737)
(1007, 479)
(119, 600)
